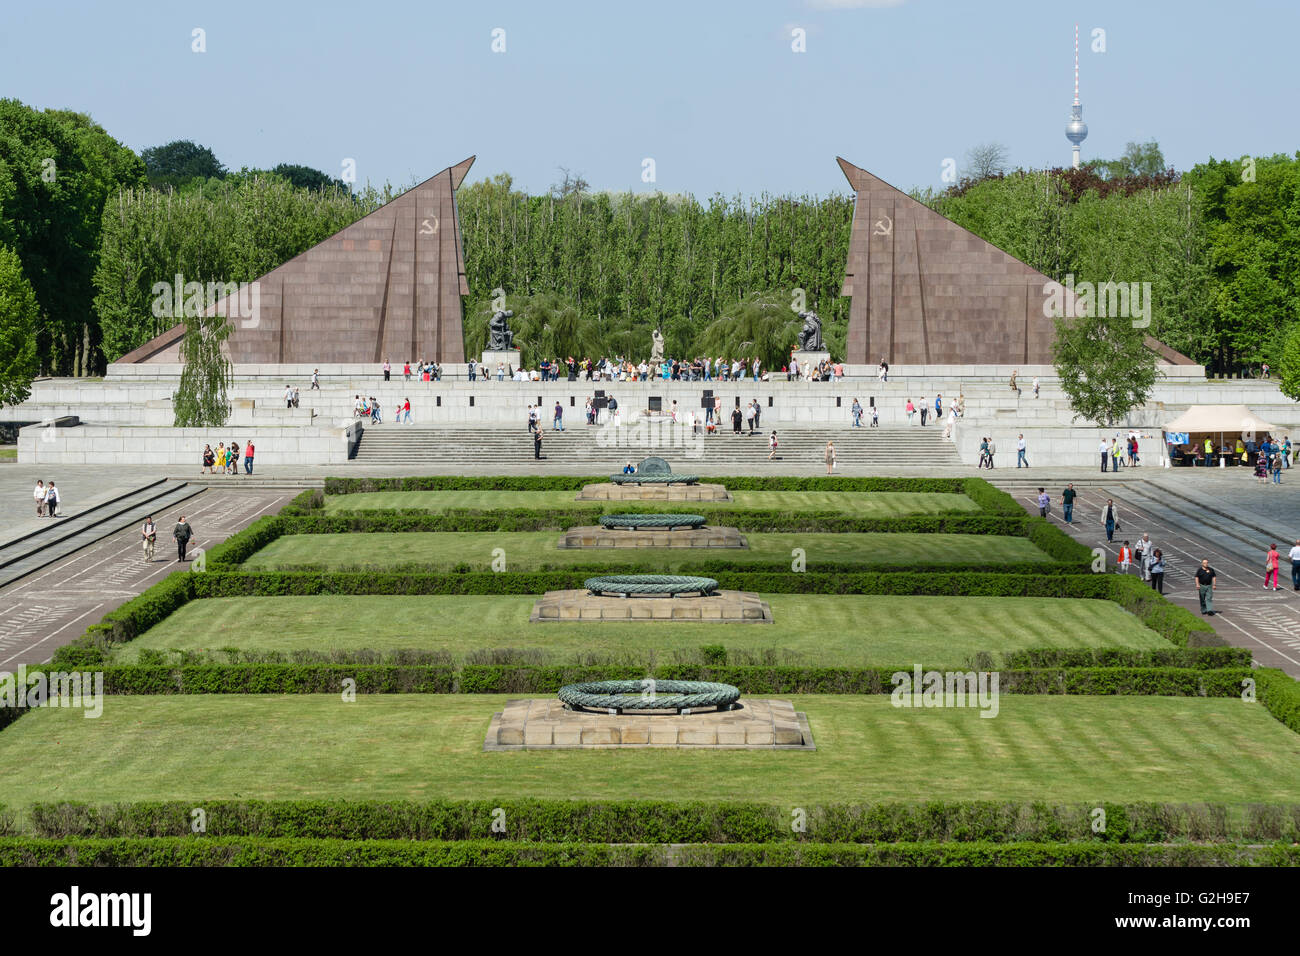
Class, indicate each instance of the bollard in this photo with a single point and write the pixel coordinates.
(1220, 461)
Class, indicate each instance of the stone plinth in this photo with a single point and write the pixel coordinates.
(545, 724)
(509, 358)
(811, 359)
(592, 536)
(581, 605)
(608, 491)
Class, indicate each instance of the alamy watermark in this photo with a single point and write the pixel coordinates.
(946, 689)
(84, 689)
(1086, 300)
(178, 299)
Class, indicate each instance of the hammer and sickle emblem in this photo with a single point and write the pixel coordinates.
(429, 228)
(883, 227)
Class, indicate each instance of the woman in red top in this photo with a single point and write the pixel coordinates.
(406, 371)
(1270, 566)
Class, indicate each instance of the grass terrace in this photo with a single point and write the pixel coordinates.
(822, 629)
(881, 504)
(531, 551)
(1055, 749)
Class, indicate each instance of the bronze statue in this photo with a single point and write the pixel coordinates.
(810, 336)
(500, 338)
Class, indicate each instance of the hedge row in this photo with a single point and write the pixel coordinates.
(1280, 693)
(475, 521)
(1204, 657)
(216, 678)
(348, 486)
(645, 821)
(246, 851)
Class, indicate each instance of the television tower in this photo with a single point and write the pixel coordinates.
(1076, 131)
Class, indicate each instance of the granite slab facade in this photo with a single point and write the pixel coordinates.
(387, 287)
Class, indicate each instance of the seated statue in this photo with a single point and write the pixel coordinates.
(810, 336)
(500, 338)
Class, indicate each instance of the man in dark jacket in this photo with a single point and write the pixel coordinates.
(182, 533)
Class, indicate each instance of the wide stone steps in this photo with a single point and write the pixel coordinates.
(408, 444)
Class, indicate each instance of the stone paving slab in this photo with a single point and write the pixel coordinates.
(594, 536)
(545, 724)
(579, 604)
(608, 491)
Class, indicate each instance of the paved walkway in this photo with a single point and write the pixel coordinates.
(1267, 622)
(51, 607)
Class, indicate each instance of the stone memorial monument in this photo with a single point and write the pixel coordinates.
(501, 344)
(656, 347)
(812, 349)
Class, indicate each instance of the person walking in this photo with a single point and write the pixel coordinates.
(557, 424)
(1276, 465)
(857, 414)
(1067, 502)
(1125, 558)
(209, 459)
(388, 370)
(749, 417)
(984, 453)
(1206, 585)
(1157, 568)
(938, 406)
(924, 410)
(736, 418)
(1044, 503)
(149, 537)
(38, 493)
(910, 410)
(537, 443)
(406, 370)
(952, 422)
(875, 417)
(406, 412)
(1142, 552)
(1110, 518)
(51, 499)
(1020, 452)
(1272, 561)
(1014, 387)
(315, 379)
(1104, 451)
(1035, 386)
(1295, 565)
(182, 533)
(248, 458)
(772, 443)
(830, 455)
(993, 450)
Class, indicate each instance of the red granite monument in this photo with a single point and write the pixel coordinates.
(928, 292)
(388, 286)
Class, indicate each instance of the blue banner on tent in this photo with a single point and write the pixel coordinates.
(1176, 438)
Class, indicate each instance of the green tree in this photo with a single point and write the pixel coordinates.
(201, 399)
(19, 315)
(1138, 159)
(1105, 369)
(305, 177)
(1289, 363)
(180, 161)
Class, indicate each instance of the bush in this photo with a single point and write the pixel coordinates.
(644, 821)
(1280, 694)
(347, 486)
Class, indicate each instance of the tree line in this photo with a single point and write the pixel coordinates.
(87, 227)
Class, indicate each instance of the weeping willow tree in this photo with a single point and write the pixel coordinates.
(202, 400)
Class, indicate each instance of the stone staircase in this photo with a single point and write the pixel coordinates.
(608, 447)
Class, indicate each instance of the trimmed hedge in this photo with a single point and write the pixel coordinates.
(218, 678)
(646, 821)
(246, 851)
(348, 486)
(1203, 657)
(1280, 693)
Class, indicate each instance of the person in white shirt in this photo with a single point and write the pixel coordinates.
(1143, 553)
(1295, 565)
(149, 537)
(1104, 450)
(51, 499)
(39, 494)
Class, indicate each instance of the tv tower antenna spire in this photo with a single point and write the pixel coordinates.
(1076, 131)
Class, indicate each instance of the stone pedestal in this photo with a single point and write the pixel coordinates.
(581, 605)
(544, 724)
(608, 491)
(509, 358)
(811, 359)
(599, 537)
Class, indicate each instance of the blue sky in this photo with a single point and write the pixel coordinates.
(711, 91)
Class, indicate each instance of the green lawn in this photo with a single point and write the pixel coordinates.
(1058, 749)
(531, 550)
(883, 504)
(845, 630)
(9, 453)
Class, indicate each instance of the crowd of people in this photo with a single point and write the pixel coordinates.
(224, 459)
